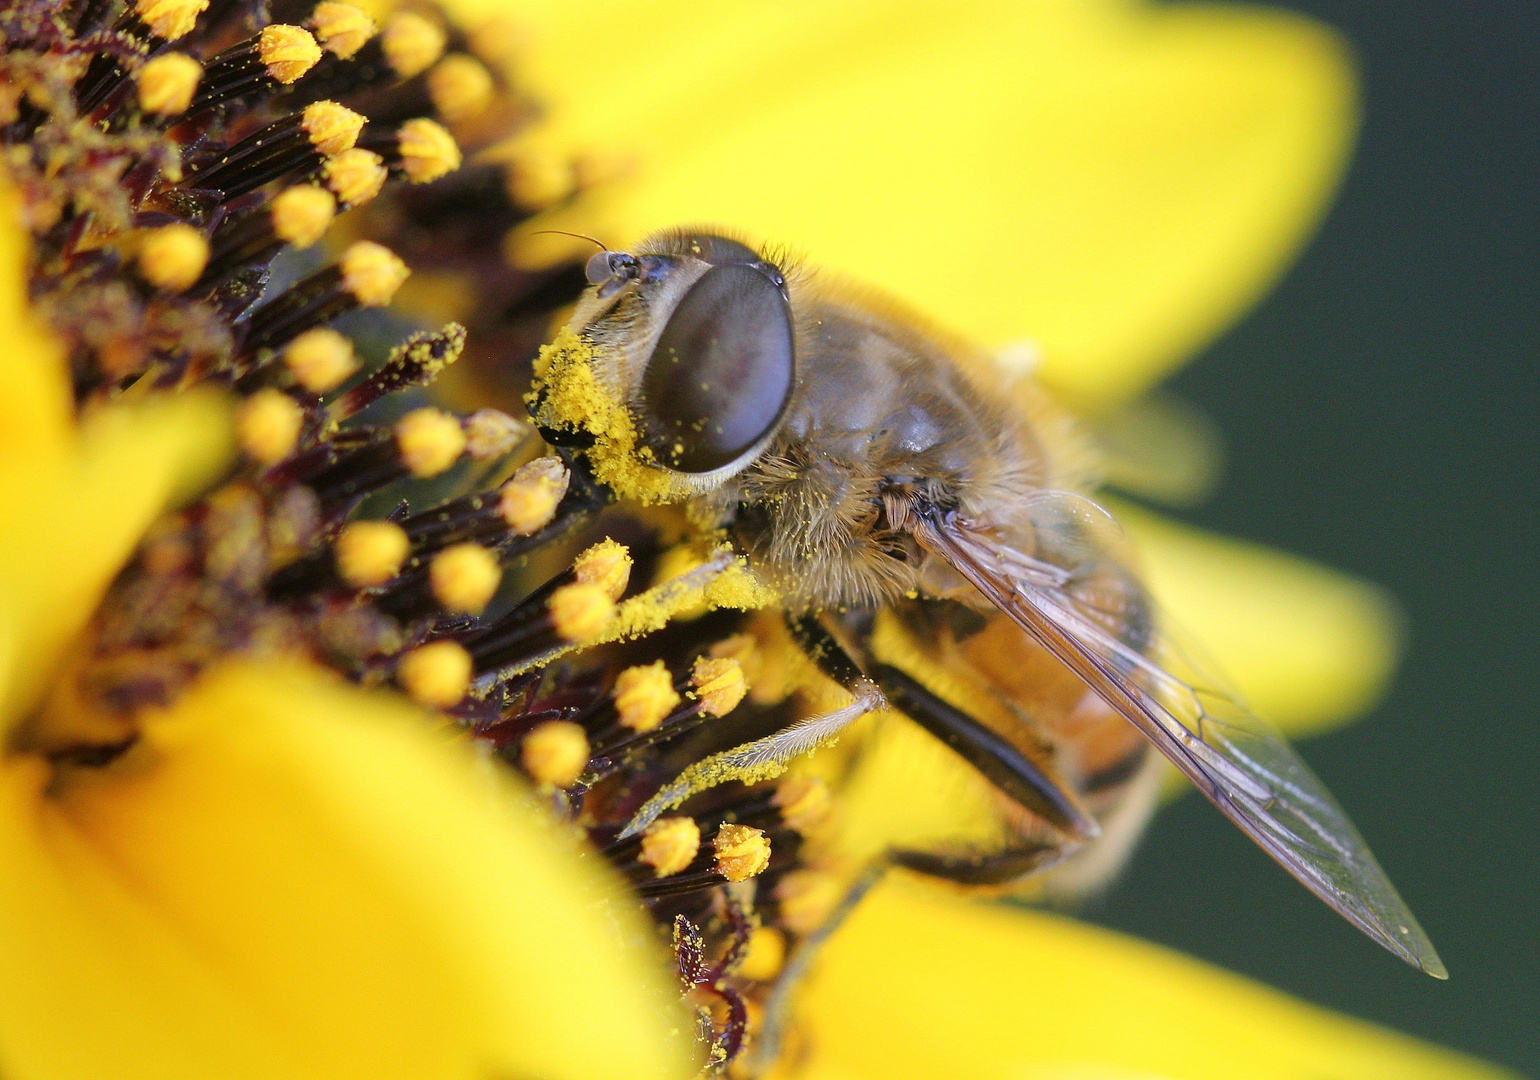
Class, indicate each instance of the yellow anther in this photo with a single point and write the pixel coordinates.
(807, 899)
(766, 955)
(460, 87)
(580, 612)
(529, 499)
(555, 752)
(370, 553)
(742, 851)
(719, 684)
(411, 43)
(320, 359)
(428, 151)
(342, 29)
(429, 441)
(743, 648)
(170, 19)
(332, 128)
(173, 257)
(464, 577)
(607, 564)
(803, 802)
(288, 52)
(268, 425)
(670, 844)
(491, 432)
(302, 214)
(437, 674)
(167, 83)
(372, 273)
(355, 176)
(538, 180)
(644, 696)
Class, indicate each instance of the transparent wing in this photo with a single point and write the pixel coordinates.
(1236, 759)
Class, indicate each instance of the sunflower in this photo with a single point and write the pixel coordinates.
(294, 781)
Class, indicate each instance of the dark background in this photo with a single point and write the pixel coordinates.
(1380, 409)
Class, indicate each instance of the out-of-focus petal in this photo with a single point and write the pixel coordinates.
(1112, 181)
(294, 878)
(35, 410)
(923, 983)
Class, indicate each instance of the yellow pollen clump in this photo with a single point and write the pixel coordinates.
(288, 52)
(766, 955)
(490, 432)
(607, 564)
(320, 359)
(355, 176)
(342, 29)
(302, 214)
(803, 802)
(170, 19)
(555, 752)
(460, 87)
(807, 899)
(429, 441)
(173, 257)
(529, 499)
(742, 851)
(268, 425)
(167, 83)
(411, 43)
(464, 577)
(332, 128)
(644, 696)
(428, 151)
(670, 844)
(538, 180)
(437, 674)
(580, 612)
(370, 553)
(719, 684)
(372, 273)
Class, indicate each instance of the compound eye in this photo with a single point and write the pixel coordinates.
(721, 373)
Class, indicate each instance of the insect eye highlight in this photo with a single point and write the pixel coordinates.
(721, 373)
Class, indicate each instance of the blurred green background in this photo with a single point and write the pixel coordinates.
(1381, 414)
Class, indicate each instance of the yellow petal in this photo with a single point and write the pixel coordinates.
(1306, 646)
(1111, 181)
(292, 877)
(957, 987)
(35, 410)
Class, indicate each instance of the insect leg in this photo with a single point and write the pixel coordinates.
(996, 868)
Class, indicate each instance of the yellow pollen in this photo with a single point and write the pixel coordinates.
(302, 214)
(167, 83)
(742, 851)
(766, 955)
(170, 19)
(529, 499)
(555, 752)
(803, 802)
(644, 696)
(436, 675)
(288, 52)
(460, 87)
(719, 684)
(411, 43)
(429, 441)
(342, 29)
(320, 359)
(372, 273)
(355, 176)
(607, 564)
(267, 426)
(332, 128)
(538, 180)
(670, 844)
(464, 577)
(807, 899)
(173, 257)
(580, 612)
(490, 432)
(428, 151)
(370, 553)
(743, 648)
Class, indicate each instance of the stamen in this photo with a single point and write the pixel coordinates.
(490, 433)
(411, 43)
(170, 19)
(342, 29)
(287, 52)
(332, 128)
(246, 243)
(355, 176)
(296, 145)
(644, 696)
(426, 151)
(367, 276)
(719, 685)
(167, 83)
(528, 500)
(464, 577)
(416, 361)
(302, 214)
(429, 441)
(320, 359)
(370, 553)
(267, 426)
(803, 801)
(554, 753)
(242, 71)
(579, 612)
(460, 87)
(742, 851)
(607, 564)
(807, 898)
(172, 257)
(436, 675)
(670, 845)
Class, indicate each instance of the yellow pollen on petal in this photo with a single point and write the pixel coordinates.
(670, 844)
(606, 564)
(429, 441)
(464, 577)
(302, 214)
(766, 955)
(288, 52)
(742, 851)
(170, 19)
(436, 675)
(580, 612)
(411, 43)
(167, 83)
(370, 553)
(372, 273)
(555, 752)
(529, 499)
(428, 151)
(342, 29)
(460, 87)
(320, 359)
(803, 801)
(807, 898)
(355, 176)
(644, 696)
(267, 426)
(332, 128)
(173, 257)
(719, 684)
(491, 432)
